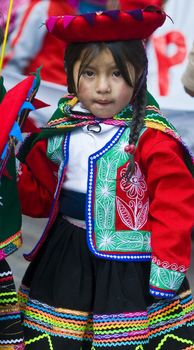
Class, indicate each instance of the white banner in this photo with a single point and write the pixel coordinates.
(168, 55)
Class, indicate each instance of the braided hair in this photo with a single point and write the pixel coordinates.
(137, 124)
(124, 53)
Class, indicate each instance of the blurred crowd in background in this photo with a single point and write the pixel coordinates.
(29, 46)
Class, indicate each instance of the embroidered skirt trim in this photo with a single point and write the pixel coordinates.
(136, 329)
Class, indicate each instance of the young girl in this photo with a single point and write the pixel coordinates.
(115, 180)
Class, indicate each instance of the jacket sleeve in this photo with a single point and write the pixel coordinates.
(37, 179)
(171, 192)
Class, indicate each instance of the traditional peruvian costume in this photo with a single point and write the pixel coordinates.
(109, 269)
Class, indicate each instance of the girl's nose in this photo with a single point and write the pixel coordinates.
(103, 85)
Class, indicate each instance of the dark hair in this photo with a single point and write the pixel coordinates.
(124, 52)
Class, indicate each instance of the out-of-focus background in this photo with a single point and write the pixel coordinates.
(29, 47)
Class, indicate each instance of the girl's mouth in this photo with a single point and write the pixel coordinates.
(103, 102)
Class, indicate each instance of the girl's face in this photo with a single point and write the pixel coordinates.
(101, 88)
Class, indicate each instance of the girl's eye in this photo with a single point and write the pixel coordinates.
(117, 73)
(88, 73)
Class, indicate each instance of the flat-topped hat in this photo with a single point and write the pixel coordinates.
(113, 25)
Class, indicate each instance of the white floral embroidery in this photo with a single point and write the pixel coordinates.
(167, 265)
(107, 169)
(104, 215)
(105, 191)
(136, 187)
(164, 278)
(55, 153)
(134, 214)
(1, 202)
(54, 149)
(147, 240)
(119, 152)
(132, 209)
(106, 241)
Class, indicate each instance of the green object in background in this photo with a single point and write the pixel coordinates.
(2, 89)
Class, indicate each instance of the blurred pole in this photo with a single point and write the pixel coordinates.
(6, 34)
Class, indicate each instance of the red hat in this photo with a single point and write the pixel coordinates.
(133, 4)
(107, 26)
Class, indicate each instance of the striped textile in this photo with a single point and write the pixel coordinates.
(166, 324)
(11, 335)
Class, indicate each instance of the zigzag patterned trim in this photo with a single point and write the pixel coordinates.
(5, 274)
(167, 265)
(111, 330)
(178, 339)
(10, 239)
(8, 298)
(10, 245)
(11, 342)
(38, 339)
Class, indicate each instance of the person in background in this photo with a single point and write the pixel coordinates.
(29, 45)
(115, 179)
(11, 334)
(188, 82)
(188, 76)
(15, 8)
(11, 103)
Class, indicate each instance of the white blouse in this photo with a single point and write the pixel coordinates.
(84, 141)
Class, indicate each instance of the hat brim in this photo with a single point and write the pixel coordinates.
(107, 26)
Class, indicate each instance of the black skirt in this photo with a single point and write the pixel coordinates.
(74, 301)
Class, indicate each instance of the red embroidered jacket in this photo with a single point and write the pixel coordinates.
(165, 181)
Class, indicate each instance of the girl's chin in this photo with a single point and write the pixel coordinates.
(102, 115)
